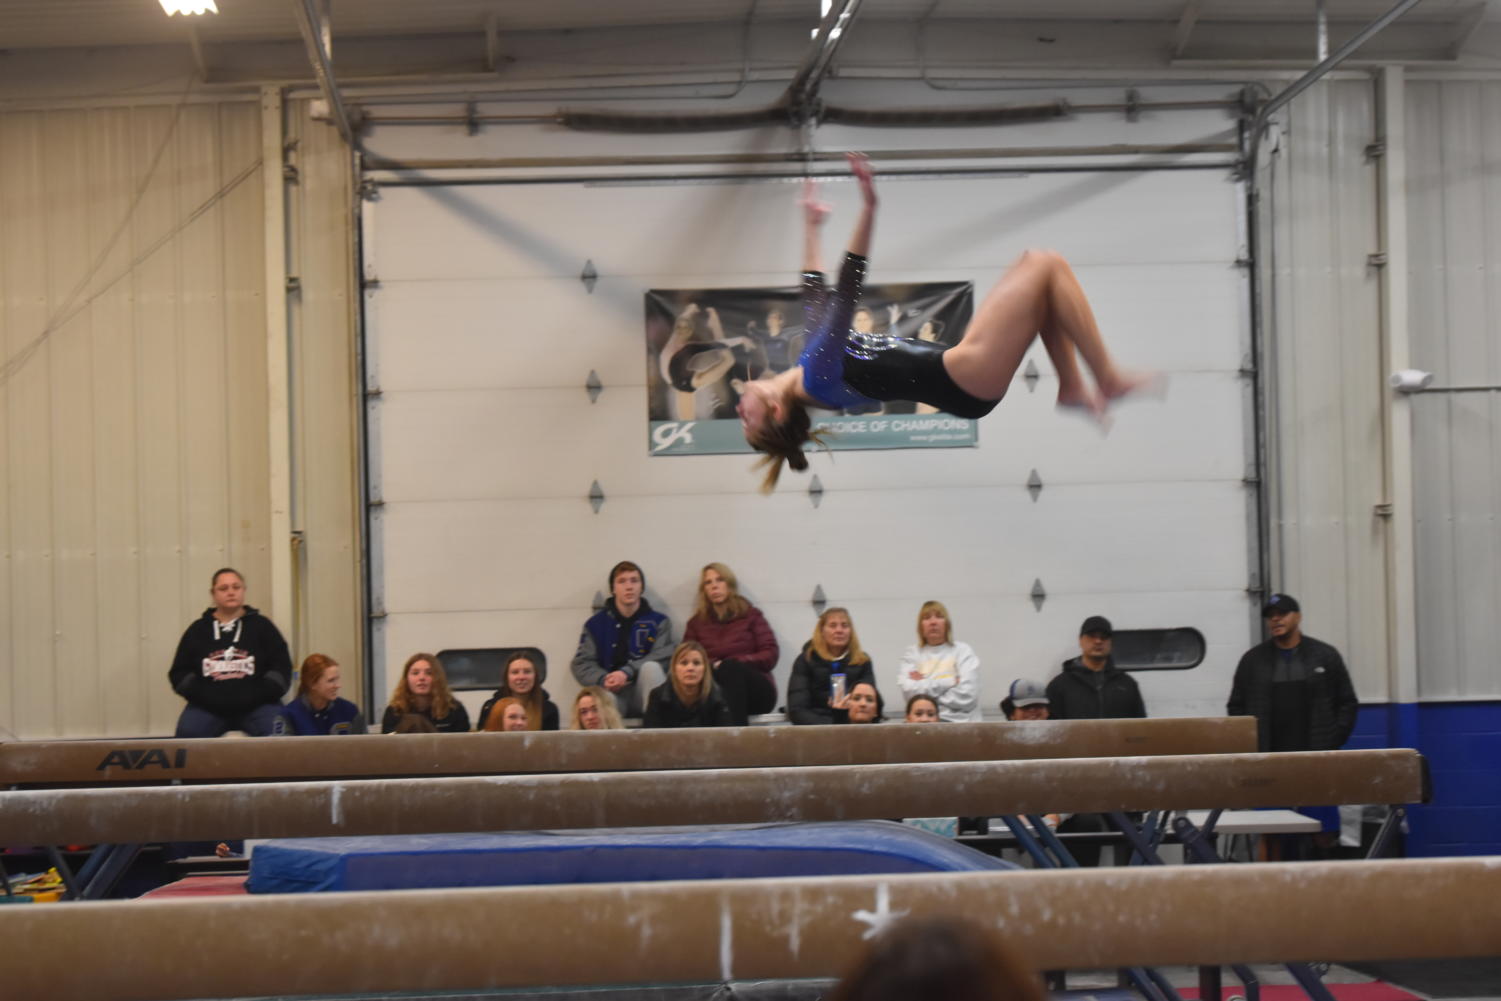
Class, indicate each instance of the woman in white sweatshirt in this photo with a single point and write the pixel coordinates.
(941, 668)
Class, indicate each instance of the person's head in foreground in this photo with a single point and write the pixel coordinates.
(508, 715)
(939, 959)
(594, 709)
(690, 675)
(1026, 700)
(864, 703)
(922, 709)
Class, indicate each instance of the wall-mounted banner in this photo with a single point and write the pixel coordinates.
(703, 345)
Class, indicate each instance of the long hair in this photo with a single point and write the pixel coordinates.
(413, 723)
(533, 700)
(854, 654)
(783, 441)
(405, 702)
(880, 716)
(604, 702)
(312, 669)
(496, 721)
(948, 621)
(734, 606)
(704, 687)
(939, 959)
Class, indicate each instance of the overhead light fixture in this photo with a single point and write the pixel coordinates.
(189, 7)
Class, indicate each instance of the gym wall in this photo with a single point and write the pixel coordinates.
(120, 498)
(135, 404)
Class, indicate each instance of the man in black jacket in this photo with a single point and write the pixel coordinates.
(1297, 687)
(1091, 686)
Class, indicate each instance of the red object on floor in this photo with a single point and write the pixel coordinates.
(1375, 990)
(227, 886)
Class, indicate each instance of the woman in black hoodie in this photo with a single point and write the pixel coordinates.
(232, 666)
(689, 697)
(521, 679)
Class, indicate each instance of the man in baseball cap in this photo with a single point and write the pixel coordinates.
(1090, 686)
(1026, 699)
(1297, 687)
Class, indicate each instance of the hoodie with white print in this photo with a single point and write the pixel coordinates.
(231, 668)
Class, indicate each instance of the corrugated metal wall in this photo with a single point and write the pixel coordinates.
(1454, 224)
(135, 405)
(133, 400)
(325, 400)
(1324, 363)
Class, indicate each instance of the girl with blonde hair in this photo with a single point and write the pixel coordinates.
(939, 667)
(833, 652)
(689, 697)
(594, 709)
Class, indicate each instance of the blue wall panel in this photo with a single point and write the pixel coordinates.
(1462, 741)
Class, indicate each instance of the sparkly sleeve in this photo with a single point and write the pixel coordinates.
(823, 357)
(815, 299)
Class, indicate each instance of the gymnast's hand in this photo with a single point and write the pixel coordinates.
(814, 211)
(860, 167)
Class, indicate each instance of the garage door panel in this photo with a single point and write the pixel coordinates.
(736, 229)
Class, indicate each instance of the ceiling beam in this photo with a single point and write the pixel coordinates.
(1469, 24)
(195, 42)
(313, 21)
(802, 93)
(1186, 22)
(1344, 52)
(492, 41)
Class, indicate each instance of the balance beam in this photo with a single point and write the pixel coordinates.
(731, 796)
(283, 758)
(523, 937)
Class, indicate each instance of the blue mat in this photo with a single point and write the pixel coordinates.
(316, 865)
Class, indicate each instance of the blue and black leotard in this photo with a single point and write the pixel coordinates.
(844, 370)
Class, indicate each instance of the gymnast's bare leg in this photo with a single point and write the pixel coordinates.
(1039, 295)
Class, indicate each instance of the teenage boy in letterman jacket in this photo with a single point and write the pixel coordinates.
(625, 646)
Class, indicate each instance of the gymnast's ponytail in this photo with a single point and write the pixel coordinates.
(783, 441)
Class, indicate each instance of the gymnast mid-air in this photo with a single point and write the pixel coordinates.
(841, 368)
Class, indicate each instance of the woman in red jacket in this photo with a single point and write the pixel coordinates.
(741, 645)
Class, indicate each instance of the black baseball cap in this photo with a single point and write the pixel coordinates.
(1096, 624)
(1280, 604)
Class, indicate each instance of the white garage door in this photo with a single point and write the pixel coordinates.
(484, 442)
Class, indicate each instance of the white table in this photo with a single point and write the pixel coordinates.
(1235, 822)
(1234, 825)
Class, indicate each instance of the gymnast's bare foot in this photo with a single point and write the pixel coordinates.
(1088, 401)
(1127, 382)
(1082, 397)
